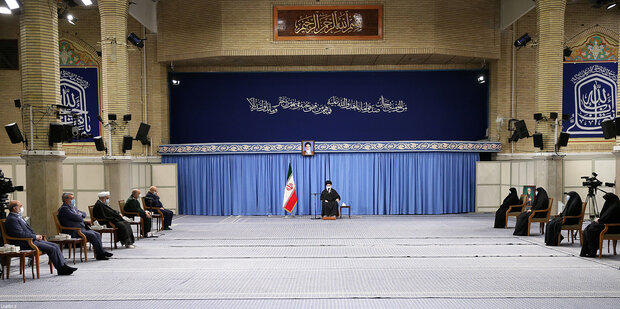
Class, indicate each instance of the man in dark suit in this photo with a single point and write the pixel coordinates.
(152, 200)
(133, 205)
(103, 211)
(17, 227)
(70, 216)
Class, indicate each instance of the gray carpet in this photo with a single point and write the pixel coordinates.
(444, 261)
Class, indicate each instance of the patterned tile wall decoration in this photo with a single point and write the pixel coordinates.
(331, 147)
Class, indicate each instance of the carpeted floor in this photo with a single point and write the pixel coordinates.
(442, 261)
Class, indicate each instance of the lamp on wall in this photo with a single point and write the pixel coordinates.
(99, 143)
(538, 117)
(14, 133)
(71, 19)
(523, 40)
(135, 40)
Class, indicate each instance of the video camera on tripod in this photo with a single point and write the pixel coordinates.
(6, 187)
(593, 183)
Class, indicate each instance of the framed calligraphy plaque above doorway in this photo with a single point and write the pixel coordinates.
(344, 22)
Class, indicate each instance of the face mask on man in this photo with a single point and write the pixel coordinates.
(567, 198)
(21, 211)
(328, 187)
(73, 203)
(536, 193)
(107, 201)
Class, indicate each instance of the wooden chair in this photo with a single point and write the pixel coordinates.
(604, 235)
(37, 252)
(157, 214)
(139, 225)
(573, 227)
(511, 212)
(542, 221)
(60, 228)
(112, 231)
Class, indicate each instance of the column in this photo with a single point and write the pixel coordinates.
(549, 65)
(549, 61)
(40, 74)
(115, 79)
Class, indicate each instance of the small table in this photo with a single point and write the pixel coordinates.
(138, 228)
(71, 244)
(345, 206)
(22, 262)
(111, 231)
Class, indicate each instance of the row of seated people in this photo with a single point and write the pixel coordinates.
(71, 217)
(572, 214)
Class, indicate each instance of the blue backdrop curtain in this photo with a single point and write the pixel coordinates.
(373, 183)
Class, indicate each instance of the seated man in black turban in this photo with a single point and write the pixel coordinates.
(330, 200)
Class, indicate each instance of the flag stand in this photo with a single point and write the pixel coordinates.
(315, 204)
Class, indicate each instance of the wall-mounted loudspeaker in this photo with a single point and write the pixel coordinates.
(609, 129)
(57, 133)
(143, 133)
(522, 129)
(538, 140)
(563, 140)
(127, 143)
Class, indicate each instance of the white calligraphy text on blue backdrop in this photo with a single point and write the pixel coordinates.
(79, 91)
(589, 96)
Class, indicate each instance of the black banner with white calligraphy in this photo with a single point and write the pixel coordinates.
(327, 106)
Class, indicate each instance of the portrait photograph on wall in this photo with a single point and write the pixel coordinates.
(307, 148)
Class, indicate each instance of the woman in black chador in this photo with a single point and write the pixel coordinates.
(573, 208)
(500, 214)
(541, 201)
(591, 234)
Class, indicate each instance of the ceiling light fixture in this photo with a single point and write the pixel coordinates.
(12, 4)
(71, 19)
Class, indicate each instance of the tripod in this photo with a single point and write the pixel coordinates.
(591, 201)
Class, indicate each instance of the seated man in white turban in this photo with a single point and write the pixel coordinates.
(103, 211)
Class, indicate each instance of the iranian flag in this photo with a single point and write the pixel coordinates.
(290, 192)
